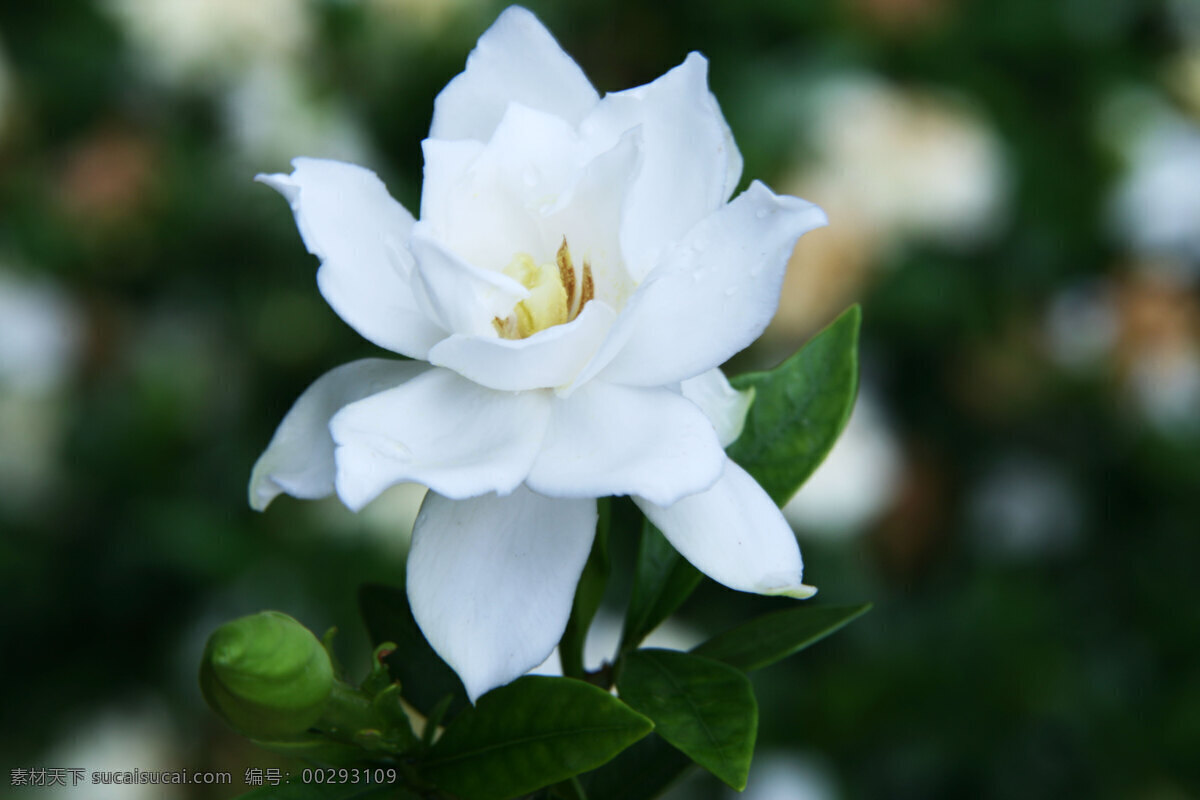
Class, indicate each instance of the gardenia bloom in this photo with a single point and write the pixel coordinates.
(576, 276)
(1156, 206)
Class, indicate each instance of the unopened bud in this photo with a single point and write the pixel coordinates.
(266, 675)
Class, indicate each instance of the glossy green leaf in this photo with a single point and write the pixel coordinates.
(531, 733)
(765, 640)
(425, 680)
(799, 409)
(641, 772)
(588, 595)
(662, 580)
(703, 707)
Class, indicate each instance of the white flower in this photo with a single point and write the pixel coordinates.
(41, 333)
(790, 775)
(137, 734)
(906, 163)
(892, 166)
(1156, 205)
(270, 113)
(575, 279)
(209, 42)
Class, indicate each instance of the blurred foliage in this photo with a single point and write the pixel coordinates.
(981, 672)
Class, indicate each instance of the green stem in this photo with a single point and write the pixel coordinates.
(348, 712)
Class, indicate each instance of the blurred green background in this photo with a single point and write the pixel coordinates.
(1014, 194)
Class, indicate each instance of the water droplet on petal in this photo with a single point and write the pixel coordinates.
(731, 291)
(761, 213)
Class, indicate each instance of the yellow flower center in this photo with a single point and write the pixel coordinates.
(556, 294)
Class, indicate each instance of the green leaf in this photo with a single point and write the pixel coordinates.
(587, 597)
(765, 640)
(425, 680)
(799, 409)
(331, 791)
(531, 733)
(641, 772)
(662, 580)
(703, 707)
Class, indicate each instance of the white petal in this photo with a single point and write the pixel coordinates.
(618, 336)
(491, 580)
(447, 164)
(714, 293)
(734, 534)
(515, 61)
(299, 459)
(462, 297)
(532, 186)
(612, 440)
(589, 217)
(733, 167)
(689, 157)
(349, 221)
(724, 406)
(548, 358)
(441, 430)
(489, 211)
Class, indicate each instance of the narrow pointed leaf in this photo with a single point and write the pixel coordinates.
(663, 579)
(771, 637)
(799, 409)
(425, 680)
(651, 766)
(588, 595)
(704, 708)
(531, 733)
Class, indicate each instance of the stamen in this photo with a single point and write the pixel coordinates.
(558, 294)
(589, 289)
(566, 273)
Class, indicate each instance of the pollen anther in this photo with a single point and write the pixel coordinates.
(557, 293)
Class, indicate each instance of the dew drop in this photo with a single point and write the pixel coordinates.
(761, 213)
(731, 291)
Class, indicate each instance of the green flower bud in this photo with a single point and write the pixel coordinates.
(266, 675)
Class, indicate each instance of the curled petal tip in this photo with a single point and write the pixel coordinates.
(262, 489)
(280, 183)
(800, 591)
(265, 488)
(816, 215)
